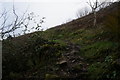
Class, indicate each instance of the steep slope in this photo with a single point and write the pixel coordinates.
(75, 50)
(87, 21)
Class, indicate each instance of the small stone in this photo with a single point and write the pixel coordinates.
(73, 61)
(63, 62)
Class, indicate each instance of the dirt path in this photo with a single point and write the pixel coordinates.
(72, 65)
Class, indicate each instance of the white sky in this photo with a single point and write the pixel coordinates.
(42, 0)
(56, 11)
(49, 0)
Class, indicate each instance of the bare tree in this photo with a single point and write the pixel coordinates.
(94, 5)
(18, 22)
(6, 27)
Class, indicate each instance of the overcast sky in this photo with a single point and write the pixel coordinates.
(56, 11)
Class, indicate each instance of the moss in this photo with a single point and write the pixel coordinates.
(51, 76)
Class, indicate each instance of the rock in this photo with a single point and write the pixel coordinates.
(71, 58)
(81, 58)
(67, 54)
(62, 63)
(74, 52)
(73, 61)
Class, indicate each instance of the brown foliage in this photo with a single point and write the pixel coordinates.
(112, 24)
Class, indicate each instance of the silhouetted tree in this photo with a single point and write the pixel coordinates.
(22, 22)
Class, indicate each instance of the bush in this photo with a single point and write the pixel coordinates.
(104, 70)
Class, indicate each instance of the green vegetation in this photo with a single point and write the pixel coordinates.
(86, 53)
(24, 60)
(100, 50)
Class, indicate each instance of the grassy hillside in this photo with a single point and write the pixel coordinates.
(75, 50)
